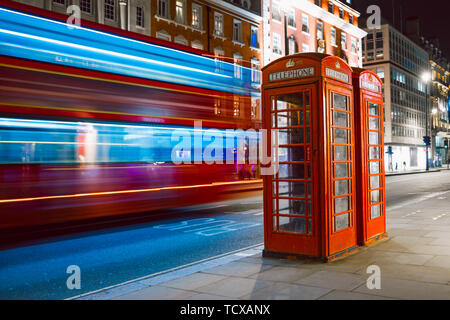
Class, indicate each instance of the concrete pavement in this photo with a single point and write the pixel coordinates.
(414, 263)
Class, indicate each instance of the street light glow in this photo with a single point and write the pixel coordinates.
(426, 76)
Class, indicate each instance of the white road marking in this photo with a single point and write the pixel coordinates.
(439, 216)
(258, 214)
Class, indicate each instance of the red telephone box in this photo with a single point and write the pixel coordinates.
(309, 201)
(369, 139)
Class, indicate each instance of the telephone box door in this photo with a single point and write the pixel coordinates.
(292, 221)
(341, 182)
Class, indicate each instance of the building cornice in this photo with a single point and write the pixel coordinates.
(329, 18)
(230, 7)
(346, 7)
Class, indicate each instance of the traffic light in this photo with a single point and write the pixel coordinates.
(445, 143)
(427, 140)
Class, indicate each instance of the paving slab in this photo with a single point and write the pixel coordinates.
(234, 287)
(283, 291)
(333, 280)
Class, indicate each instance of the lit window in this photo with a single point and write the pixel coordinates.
(276, 43)
(110, 9)
(333, 36)
(218, 24)
(140, 16)
(305, 25)
(291, 18)
(86, 6)
(319, 30)
(256, 78)
(276, 12)
(292, 46)
(179, 11)
(254, 37)
(237, 65)
(196, 16)
(354, 46)
(237, 31)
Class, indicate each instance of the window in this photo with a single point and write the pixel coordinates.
(318, 3)
(333, 36)
(305, 25)
(330, 7)
(61, 2)
(163, 8)
(86, 6)
(354, 45)
(218, 24)
(180, 12)
(140, 16)
(341, 13)
(254, 37)
(305, 47)
(276, 43)
(256, 78)
(319, 30)
(163, 35)
(237, 31)
(197, 45)
(110, 9)
(291, 18)
(350, 18)
(292, 46)
(196, 16)
(343, 41)
(181, 40)
(237, 65)
(276, 12)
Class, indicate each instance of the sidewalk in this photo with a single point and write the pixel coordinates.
(402, 172)
(414, 263)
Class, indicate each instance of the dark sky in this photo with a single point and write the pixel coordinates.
(434, 16)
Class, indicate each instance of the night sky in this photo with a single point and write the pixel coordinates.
(434, 16)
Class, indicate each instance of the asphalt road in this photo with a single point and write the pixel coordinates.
(112, 256)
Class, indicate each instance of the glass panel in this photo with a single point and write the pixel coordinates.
(273, 102)
(374, 182)
(291, 136)
(373, 123)
(309, 190)
(291, 171)
(288, 224)
(274, 205)
(307, 101)
(291, 154)
(373, 138)
(375, 211)
(342, 222)
(341, 119)
(341, 204)
(340, 135)
(374, 153)
(274, 189)
(309, 208)
(375, 196)
(289, 101)
(289, 119)
(292, 206)
(373, 109)
(308, 135)
(291, 189)
(374, 167)
(274, 223)
(308, 171)
(307, 117)
(341, 153)
(309, 226)
(340, 101)
(341, 187)
(341, 170)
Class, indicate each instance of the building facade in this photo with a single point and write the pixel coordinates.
(400, 63)
(325, 26)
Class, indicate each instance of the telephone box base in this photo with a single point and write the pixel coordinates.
(374, 239)
(301, 257)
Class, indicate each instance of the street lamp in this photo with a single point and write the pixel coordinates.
(426, 76)
(285, 5)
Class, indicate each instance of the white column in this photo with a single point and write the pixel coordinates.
(123, 14)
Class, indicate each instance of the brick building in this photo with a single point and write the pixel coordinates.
(326, 26)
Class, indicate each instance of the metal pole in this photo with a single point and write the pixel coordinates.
(426, 126)
(286, 46)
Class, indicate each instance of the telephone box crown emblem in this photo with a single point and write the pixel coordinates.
(290, 63)
(338, 65)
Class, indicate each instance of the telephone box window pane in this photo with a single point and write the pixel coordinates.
(373, 123)
(289, 119)
(309, 190)
(292, 206)
(291, 136)
(274, 205)
(289, 101)
(374, 153)
(373, 109)
(340, 135)
(374, 182)
(341, 170)
(341, 119)
(342, 222)
(341, 187)
(308, 171)
(375, 211)
(308, 135)
(274, 223)
(341, 204)
(373, 138)
(375, 196)
(309, 208)
(273, 103)
(309, 226)
(291, 189)
(274, 189)
(341, 153)
(339, 101)
(290, 224)
(374, 167)
(291, 154)
(291, 171)
(307, 101)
